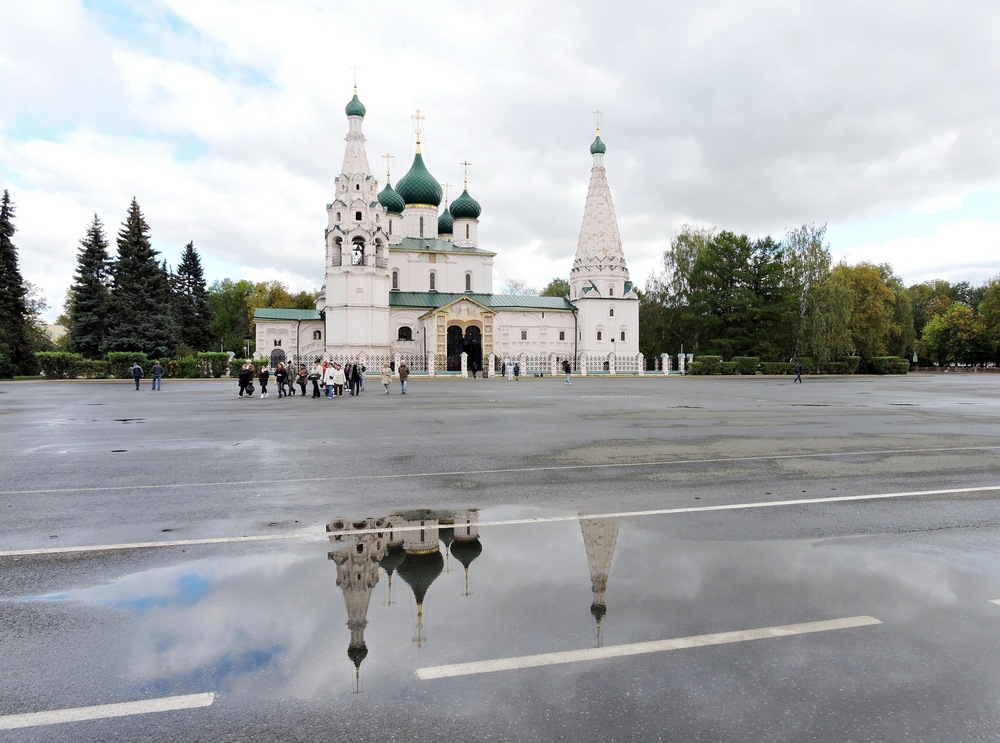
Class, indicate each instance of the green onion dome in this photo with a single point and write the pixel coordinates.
(390, 200)
(445, 227)
(465, 207)
(418, 186)
(598, 147)
(355, 107)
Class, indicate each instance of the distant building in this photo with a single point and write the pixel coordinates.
(405, 281)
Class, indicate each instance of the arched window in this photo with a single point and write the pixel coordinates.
(317, 335)
(421, 227)
(466, 232)
(395, 279)
(357, 216)
(358, 252)
(623, 335)
(468, 282)
(390, 225)
(611, 290)
(611, 312)
(277, 343)
(357, 186)
(433, 286)
(598, 335)
(404, 334)
(338, 216)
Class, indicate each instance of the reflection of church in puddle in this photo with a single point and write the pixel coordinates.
(408, 544)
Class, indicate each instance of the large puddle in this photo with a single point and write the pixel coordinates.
(383, 598)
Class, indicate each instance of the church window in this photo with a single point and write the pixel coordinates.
(611, 290)
(404, 334)
(562, 335)
(390, 226)
(277, 343)
(524, 335)
(611, 312)
(433, 284)
(395, 279)
(357, 186)
(421, 227)
(338, 216)
(623, 335)
(358, 252)
(357, 216)
(317, 335)
(466, 232)
(468, 282)
(598, 335)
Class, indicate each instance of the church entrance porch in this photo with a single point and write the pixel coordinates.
(468, 341)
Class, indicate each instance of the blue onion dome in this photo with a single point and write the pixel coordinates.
(445, 227)
(598, 147)
(390, 200)
(355, 107)
(418, 186)
(465, 207)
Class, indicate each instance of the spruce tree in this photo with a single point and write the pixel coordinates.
(193, 313)
(90, 295)
(15, 344)
(141, 307)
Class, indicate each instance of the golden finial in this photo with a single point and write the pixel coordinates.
(387, 157)
(597, 122)
(446, 186)
(465, 173)
(418, 117)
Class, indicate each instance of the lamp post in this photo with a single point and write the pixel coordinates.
(247, 339)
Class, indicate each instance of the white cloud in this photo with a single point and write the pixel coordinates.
(225, 120)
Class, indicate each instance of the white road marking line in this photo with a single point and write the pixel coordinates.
(506, 522)
(102, 711)
(639, 648)
(501, 471)
(995, 601)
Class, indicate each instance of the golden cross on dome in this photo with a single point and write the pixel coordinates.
(355, 68)
(446, 186)
(387, 159)
(597, 121)
(465, 171)
(417, 118)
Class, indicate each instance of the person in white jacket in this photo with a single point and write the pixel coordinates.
(338, 380)
(328, 382)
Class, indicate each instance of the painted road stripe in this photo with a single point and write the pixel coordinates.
(102, 711)
(502, 471)
(995, 601)
(504, 522)
(640, 648)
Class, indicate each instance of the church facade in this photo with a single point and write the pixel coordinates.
(406, 280)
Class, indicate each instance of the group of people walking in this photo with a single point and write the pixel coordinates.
(328, 379)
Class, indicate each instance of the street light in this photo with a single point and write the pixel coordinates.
(247, 340)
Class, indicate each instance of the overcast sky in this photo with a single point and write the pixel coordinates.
(225, 119)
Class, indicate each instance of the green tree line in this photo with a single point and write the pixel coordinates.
(131, 301)
(725, 294)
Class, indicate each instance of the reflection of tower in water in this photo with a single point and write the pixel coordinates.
(394, 554)
(599, 539)
(466, 546)
(424, 561)
(357, 557)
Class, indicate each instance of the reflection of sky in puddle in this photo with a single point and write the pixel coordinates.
(276, 624)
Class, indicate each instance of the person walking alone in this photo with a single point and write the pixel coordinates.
(157, 372)
(386, 377)
(404, 373)
(568, 370)
(798, 374)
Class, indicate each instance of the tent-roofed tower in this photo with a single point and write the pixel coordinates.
(356, 292)
(599, 281)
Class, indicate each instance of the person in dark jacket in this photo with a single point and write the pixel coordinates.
(136, 373)
(281, 377)
(246, 380)
(265, 374)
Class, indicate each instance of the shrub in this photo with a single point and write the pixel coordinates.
(777, 367)
(853, 362)
(92, 369)
(186, 366)
(710, 364)
(58, 364)
(747, 364)
(728, 367)
(890, 365)
(695, 367)
(235, 365)
(835, 367)
(121, 361)
(808, 365)
(213, 363)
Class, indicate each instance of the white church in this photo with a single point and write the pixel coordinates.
(405, 282)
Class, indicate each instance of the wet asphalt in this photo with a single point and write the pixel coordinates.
(607, 515)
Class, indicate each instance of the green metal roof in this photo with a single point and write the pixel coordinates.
(598, 147)
(434, 245)
(355, 107)
(266, 313)
(391, 200)
(465, 207)
(432, 300)
(445, 223)
(418, 186)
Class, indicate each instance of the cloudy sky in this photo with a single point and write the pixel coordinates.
(225, 119)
